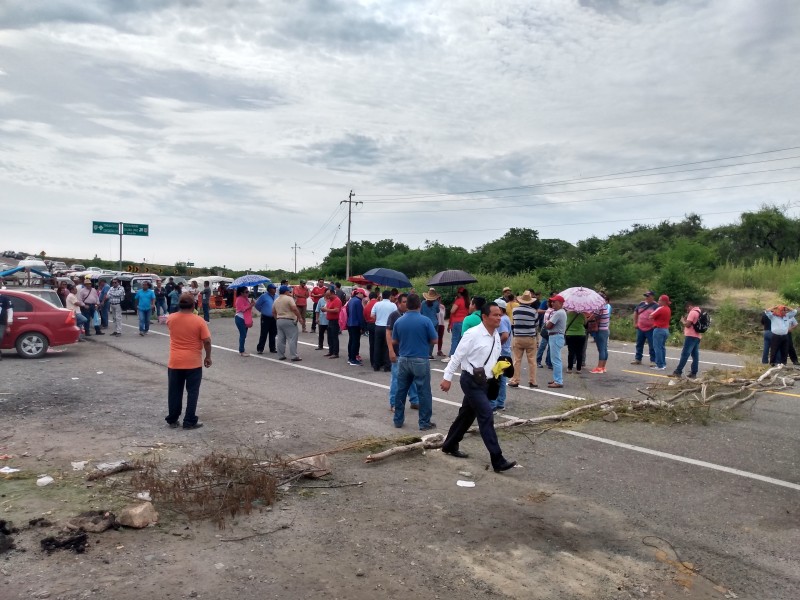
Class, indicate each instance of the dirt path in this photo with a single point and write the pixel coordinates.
(409, 531)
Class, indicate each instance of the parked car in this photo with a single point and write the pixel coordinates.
(37, 325)
(48, 294)
(77, 268)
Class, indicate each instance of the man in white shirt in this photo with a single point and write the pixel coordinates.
(381, 313)
(479, 348)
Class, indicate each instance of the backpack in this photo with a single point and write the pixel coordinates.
(703, 321)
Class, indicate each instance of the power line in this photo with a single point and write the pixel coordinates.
(556, 204)
(574, 180)
(325, 224)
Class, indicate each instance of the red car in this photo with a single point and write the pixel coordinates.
(37, 325)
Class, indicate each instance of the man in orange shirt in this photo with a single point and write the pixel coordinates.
(316, 295)
(300, 295)
(188, 337)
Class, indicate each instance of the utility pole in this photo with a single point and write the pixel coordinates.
(349, 221)
(296, 248)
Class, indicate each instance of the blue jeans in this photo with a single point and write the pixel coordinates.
(144, 319)
(455, 336)
(413, 396)
(412, 371)
(500, 401)
(205, 313)
(660, 335)
(691, 347)
(242, 332)
(767, 342)
(104, 315)
(161, 306)
(556, 343)
(641, 337)
(544, 345)
(601, 341)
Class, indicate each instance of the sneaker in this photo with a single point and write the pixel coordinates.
(675, 374)
(661, 368)
(193, 426)
(354, 363)
(539, 365)
(446, 359)
(598, 370)
(692, 376)
(318, 348)
(653, 367)
(430, 425)
(636, 362)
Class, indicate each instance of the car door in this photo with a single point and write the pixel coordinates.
(23, 319)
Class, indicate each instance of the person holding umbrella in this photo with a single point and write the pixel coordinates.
(244, 316)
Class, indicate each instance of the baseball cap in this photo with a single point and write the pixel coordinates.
(649, 293)
(272, 286)
(501, 303)
(283, 289)
(557, 298)
(664, 298)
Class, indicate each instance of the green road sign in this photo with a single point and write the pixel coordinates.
(135, 229)
(105, 227)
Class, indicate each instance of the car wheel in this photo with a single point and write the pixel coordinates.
(32, 345)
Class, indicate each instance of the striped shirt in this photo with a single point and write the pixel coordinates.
(525, 320)
(603, 317)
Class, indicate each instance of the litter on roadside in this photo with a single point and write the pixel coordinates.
(7, 470)
(79, 465)
(44, 480)
(462, 483)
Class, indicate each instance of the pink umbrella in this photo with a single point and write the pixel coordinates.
(581, 299)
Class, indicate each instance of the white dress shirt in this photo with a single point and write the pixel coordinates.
(381, 311)
(472, 351)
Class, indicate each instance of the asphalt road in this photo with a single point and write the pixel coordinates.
(725, 495)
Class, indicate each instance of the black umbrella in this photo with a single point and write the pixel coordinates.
(452, 277)
(388, 277)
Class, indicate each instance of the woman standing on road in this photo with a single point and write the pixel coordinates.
(457, 314)
(575, 339)
(244, 316)
(603, 317)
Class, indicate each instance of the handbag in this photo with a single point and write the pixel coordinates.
(248, 318)
(479, 373)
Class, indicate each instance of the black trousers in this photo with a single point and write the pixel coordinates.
(475, 405)
(778, 349)
(314, 317)
(322, 330)
(371, 333)
(575, 347)
(269, 329)
(177, 380)
(381, 354)
(333, 337)
(354, 343)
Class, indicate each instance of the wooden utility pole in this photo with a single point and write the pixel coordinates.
(349, 221)
(296, 248)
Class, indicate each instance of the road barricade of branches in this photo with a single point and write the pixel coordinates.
(722, 393)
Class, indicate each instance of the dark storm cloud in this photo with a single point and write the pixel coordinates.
(352, 151)
(19, 14)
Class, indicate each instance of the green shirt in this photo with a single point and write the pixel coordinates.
(470, 321)
(575, 323)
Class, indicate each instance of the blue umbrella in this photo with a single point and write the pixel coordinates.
(249, 280)
(388, 277)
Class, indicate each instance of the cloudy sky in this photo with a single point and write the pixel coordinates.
(235, 128)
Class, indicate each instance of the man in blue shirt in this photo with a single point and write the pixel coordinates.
(102, 291)
(505, 350)
(269, 328)
(145, 302)
(413, 334)
(355, 323)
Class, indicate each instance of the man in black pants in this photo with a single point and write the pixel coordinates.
(479, 348)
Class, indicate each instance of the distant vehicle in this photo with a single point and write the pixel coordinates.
(9, 253)
(130, 282)
(95, 269)
(19, 255)
(37, 325)
(77, 268)
(58, 266)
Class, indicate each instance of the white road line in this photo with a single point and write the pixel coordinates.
(676, 358)
(683, 459)
(675, 457)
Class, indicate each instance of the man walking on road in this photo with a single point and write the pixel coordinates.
(115, 297)
(556, 327)
(643, 323)
(691, 342)
(414, 334)
(479, 348)
(188, 337)
(269, 330)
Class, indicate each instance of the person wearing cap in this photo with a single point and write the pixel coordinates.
(102, 291)
(526, 319)
(413, 334)
(115, 297)
(317, 294)
(333, 306)
(355, 325)
(286, 314)
(300, 294)
(161, 299)
(269, 328)
(430, 310)
(661, 317)
(479, 347)
(87, 300)
(643, 323)
(556, 326)
(413, 395)
(168, 290)
(780, 318)
(188, 338)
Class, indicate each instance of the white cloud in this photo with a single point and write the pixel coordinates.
(248, 124)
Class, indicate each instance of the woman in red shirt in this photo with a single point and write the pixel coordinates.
(458, 313)
(661, 317)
